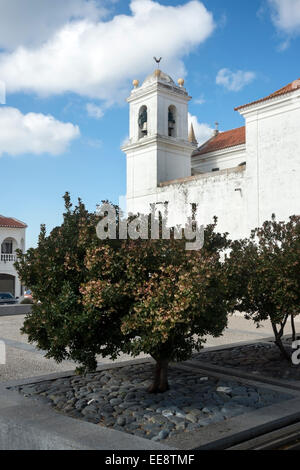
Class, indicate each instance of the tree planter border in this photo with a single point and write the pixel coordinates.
(238, 373)
(27, 424)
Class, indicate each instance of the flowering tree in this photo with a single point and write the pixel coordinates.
(265, 275)
(110, 296)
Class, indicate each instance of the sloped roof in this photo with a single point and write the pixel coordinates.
(223, 140)
(295, 85)
(10, 222)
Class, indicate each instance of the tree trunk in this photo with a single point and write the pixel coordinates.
(293, 328)
(278, 342)
(283, 351)
(160, 380)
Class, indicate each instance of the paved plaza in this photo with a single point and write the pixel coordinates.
(24, 360)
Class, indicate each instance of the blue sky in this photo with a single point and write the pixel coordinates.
(68, 67)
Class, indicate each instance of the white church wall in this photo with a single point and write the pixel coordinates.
(157, 157)
(273, 159)
(242, 197)
(164, 101)
(220, 194)
(172, 160)
(141, 170)
(222, 159)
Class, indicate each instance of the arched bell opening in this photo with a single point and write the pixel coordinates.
(143, 122)
(172, 115)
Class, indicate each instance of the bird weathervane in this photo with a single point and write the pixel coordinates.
(157, 61)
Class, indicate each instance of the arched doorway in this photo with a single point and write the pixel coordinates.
(7, 283)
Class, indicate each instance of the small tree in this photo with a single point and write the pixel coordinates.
(110, 296)
(55, 271)
(264, 273)
(173, 298)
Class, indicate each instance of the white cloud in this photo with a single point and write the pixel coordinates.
(234, 81)
(286, 15)
(100, 59)
(94, 111)
(33, 133)
(200, 100)
(203, 131)
(2, 93)
(125, 141)
(32, 22)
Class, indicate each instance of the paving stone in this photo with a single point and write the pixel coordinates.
(118, 399)
(115, 401)
(192, 418)
(163, 434)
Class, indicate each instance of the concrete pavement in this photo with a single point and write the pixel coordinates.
(24, 360)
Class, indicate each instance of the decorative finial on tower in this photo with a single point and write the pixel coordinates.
(180, 82)
(216, 132)
(192, 137)
(157, 61)
(135, 83)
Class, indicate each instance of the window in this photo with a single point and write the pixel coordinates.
(172, 121)
(6, 295)
(143, 122)
(7, 247)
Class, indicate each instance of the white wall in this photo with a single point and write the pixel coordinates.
(157, 157)
(222, 159)
(241, 197)
(214, 192)
(273, 158)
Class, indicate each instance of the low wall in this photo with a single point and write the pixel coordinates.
(6, 310)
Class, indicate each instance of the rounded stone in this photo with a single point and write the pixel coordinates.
(121, 421)
(163, 434)
(115, 401)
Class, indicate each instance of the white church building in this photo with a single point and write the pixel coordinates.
(242, 176)
(12, 237)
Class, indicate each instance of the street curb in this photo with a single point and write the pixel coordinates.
(12, 310)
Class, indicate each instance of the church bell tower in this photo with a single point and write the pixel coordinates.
(158, 149)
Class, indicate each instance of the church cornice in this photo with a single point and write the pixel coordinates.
(274, 103)
(156, 87)
(158, 139)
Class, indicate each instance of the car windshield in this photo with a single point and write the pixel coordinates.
(6, 295)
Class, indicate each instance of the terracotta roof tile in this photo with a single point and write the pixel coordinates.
(295, 85)
(222, 141)
(11, 222)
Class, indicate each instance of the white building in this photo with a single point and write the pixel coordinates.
(12, 237)
(241, 176)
